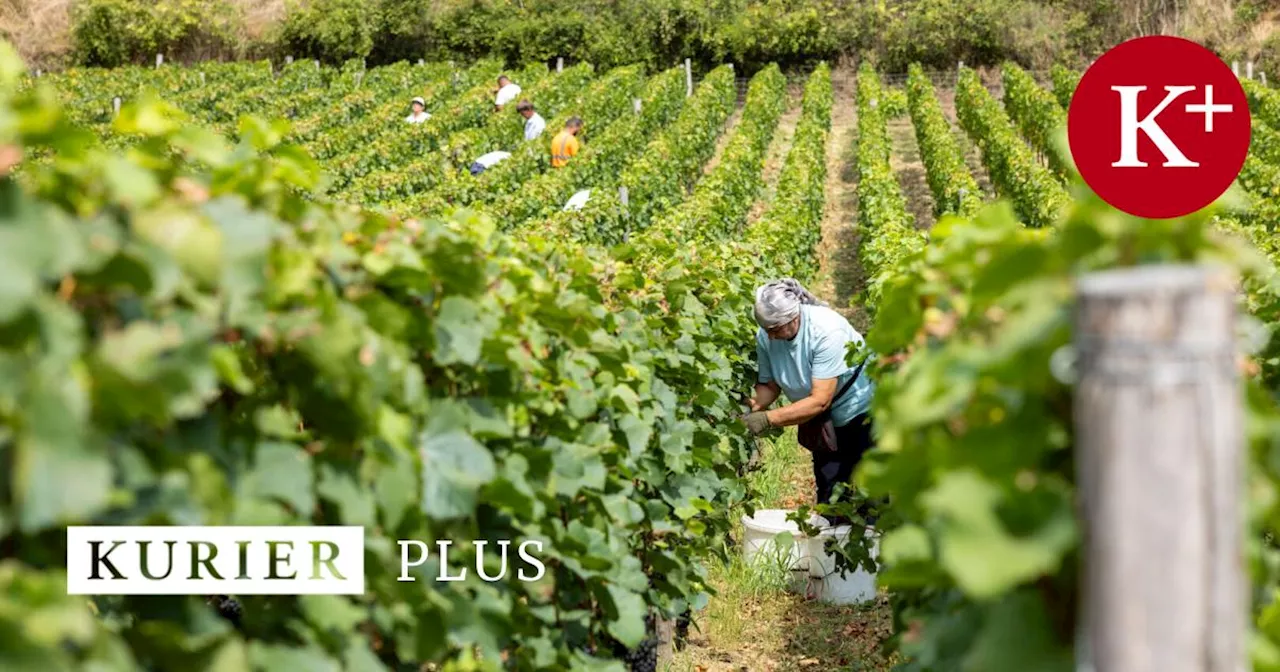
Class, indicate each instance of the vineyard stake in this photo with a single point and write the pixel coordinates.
(202, 78)
(1235, 68)
(688, 78)
(559, 64)
(666, 631)
(1262, 76)
(636, 102)
(115, 105)
(288, 60)
(1160, 450)
(624, 201)
(1248, 69)
(422, 61)
(159, 60)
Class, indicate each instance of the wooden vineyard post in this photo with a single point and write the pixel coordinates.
(636, 102)
(688, 77)
(1248, 70)
(666, 635)
(624, 204)
(159, 60)
(1235, 68)
(1160, 446)
(559, 64)
(115, 106)
(1262, 76)
(288, 60)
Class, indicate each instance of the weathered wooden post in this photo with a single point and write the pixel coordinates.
(115, 106)
(1235, 68)
(665, 629)
(636, 103)
(559, 64)
(288, 60)
(159, 60)
(1248, 70)
(624, 208)
(1160, 437)
(688, 77)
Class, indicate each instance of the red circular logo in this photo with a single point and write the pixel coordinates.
(1159, 127)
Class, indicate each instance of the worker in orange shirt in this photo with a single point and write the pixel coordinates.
(565, 144)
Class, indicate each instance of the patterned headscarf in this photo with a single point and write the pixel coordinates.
(778, 302)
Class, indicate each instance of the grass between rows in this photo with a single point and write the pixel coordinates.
(755, 623)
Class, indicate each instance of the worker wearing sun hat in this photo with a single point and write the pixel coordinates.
(420, 113)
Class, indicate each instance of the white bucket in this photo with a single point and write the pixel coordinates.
(807, 556)
(759, 541)
(854, 587)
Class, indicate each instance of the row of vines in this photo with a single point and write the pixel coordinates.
(981, 543)
(193, 333)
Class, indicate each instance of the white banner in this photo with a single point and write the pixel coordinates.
(215, 560)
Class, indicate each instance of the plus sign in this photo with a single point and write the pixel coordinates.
(1208, 108)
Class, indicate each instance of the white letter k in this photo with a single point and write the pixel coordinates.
(1129, 127)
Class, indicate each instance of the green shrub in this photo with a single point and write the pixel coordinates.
(112, 33)
(786, 32)
(332, 30)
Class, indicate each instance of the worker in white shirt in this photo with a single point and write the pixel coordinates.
(419, 114)
(507, 92)
(487, 161)
(534, 124)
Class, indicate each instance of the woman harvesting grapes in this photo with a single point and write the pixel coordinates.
(800, 348)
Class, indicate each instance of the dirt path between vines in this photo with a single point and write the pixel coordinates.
(721, 142)
(904, 159)
(840, 275)
(754, 624)
(972, 157)
(776, 156)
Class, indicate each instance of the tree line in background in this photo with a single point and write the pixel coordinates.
(658, 33)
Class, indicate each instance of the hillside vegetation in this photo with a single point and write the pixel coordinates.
(752, 33)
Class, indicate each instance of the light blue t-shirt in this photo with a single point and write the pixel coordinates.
(817, 351)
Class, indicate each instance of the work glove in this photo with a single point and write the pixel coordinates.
(757, 422)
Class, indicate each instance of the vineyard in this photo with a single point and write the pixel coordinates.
(251, 294)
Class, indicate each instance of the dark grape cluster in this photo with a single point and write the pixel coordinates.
(682, 629)
(643, 658)
(228, 607)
